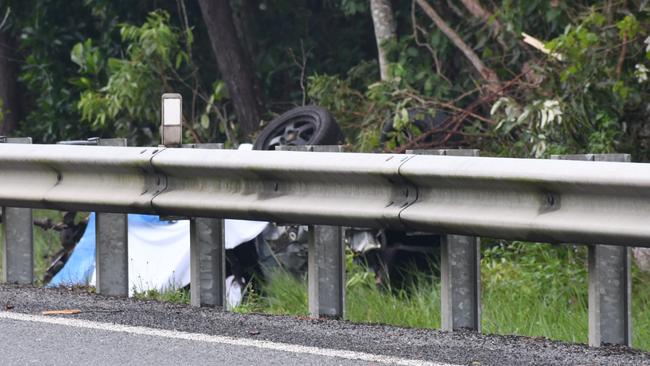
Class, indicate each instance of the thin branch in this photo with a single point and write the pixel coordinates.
(455, 9)
(193, 132)
(186, 26)
(475, 8)
(465, 95)
(621, 57)
(4, 20)
(230, 136)
(469, 113)
(486, 73)
(182, 14)
(302, 65)
(416, 30)
(446, 105)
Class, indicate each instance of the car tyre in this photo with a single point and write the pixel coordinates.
(309, 125)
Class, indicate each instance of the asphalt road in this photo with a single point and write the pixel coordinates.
(29, 341)
(125, 331)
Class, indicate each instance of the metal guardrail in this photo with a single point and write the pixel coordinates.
(523, 199)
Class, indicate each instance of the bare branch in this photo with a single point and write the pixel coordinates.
(621, 56)
(302, 65)
(454, 9)
(416, 30)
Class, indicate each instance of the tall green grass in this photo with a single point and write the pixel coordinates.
(533, 290)
(285, 294)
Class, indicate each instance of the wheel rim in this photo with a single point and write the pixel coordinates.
(295, 132)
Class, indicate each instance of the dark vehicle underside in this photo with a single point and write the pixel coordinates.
(392, 255)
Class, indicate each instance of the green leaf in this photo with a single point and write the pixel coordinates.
(220, 90)
(115, 64)
(205, 121)
(82, 82)
(76, 55)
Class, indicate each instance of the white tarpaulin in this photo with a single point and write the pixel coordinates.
(159, 252)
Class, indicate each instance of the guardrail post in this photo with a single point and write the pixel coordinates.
(18, 234)
(610, 285)
(112, 246)
(326, 259)
(207, 256)
(460, 270)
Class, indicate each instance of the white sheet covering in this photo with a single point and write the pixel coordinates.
(159, 253)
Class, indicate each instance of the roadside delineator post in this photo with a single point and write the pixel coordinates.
(326, 258)
(112, 246)
(171, 116)
(207, 237)
(207, 256)
(610, 285)
(18, 234)
(460, 269)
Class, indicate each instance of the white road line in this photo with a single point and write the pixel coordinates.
(283, 347)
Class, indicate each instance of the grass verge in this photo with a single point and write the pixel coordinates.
(532, 290)
(172, 295)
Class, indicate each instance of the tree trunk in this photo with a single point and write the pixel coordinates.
(8, 92)
(243, 20)
(236, 69)
(385, 28)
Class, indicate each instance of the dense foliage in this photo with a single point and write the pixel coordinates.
(98, 67)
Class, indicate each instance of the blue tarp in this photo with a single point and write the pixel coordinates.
(80, 266)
